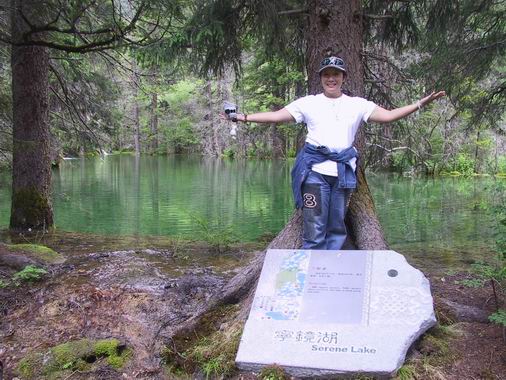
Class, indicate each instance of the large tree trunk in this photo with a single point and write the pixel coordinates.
(31, 162)
(335, 27)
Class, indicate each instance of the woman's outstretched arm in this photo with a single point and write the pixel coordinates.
(382, 115)
(281, 116)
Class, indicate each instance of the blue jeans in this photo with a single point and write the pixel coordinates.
(324, 209)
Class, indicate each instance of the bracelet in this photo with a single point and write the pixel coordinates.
(245, 118)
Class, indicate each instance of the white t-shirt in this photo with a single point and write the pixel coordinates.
(332, 122)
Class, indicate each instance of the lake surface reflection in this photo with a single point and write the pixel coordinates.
(181, 195)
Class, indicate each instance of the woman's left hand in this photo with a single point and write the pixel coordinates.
(430, 98)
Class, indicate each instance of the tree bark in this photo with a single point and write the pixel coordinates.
(136, 110)
(154, 122)
(211, 141)
(477, 153)
(335, 28)
(277, 141)
(31, 163)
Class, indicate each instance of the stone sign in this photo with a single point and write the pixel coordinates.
(325, 313)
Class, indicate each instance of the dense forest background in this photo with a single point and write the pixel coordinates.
(163, 96)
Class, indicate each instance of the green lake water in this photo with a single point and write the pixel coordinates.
(446, 219)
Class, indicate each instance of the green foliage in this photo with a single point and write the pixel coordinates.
(406, 372)
(494, 272)
(436, 346)
(176, 245)
(251, 151)
(181, 135)
(111, 349)
(291, 153)
(87, 108)
(472, 282)
(107, 25)
(29, 273)
(221, 30)
(215, 355)
(180, 92)
(3, 284)
(229, 152)
(219, 237)
(486, 271)
(273, 372)
(501, 164)
(464, 55)
(214, 366)
(118, 361)
(180, 112)
(464, 165)
(499, 317)
(400, 161)
(268, 84)
(467, 54)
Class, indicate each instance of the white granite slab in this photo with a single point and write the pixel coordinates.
(325, 313)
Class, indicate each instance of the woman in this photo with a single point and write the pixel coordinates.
(324, 172)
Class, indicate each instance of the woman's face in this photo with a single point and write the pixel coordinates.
(332, 79)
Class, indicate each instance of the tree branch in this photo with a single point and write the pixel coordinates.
(485, 47)
(69, 103)
(293, 12)
(377, 17)
(108, 38)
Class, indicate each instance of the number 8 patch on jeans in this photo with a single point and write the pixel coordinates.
(312, 198)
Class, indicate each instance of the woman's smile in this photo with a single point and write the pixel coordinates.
(332, 80)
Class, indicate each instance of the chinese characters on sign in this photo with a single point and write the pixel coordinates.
(306, 336)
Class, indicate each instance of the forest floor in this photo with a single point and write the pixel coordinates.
(104, 312)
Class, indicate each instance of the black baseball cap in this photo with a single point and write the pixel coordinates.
(334, 62)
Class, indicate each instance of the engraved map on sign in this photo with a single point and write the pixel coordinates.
(290, 279)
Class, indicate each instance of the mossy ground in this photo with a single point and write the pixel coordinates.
(77, 355)
(37, 251)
